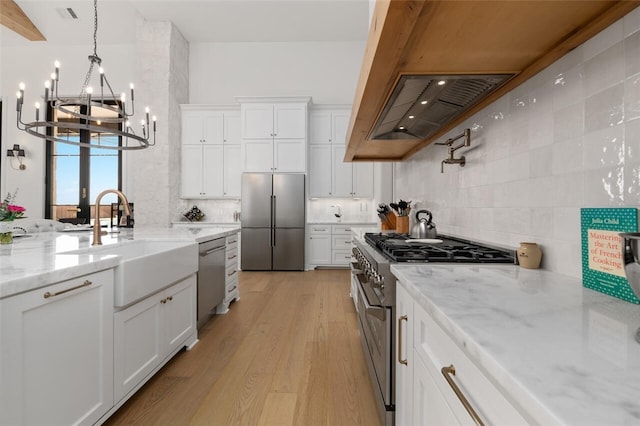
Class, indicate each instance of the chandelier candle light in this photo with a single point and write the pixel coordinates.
(116, 112)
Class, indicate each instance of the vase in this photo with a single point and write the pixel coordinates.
(529, 255)
(6, 232)
(6, 237)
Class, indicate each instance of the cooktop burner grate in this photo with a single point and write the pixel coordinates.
(401, 248)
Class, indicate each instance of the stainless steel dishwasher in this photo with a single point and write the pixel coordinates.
(210, 278)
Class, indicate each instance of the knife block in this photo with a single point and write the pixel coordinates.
(402, 224)
(389, 224)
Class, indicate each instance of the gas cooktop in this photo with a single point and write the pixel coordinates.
(403, 248)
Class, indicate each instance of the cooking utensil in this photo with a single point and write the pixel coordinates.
(424, 227)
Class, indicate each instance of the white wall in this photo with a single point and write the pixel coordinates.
(32, 65)
(568, 138)
(328, 72)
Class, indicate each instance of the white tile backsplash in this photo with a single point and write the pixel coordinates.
(567, 138)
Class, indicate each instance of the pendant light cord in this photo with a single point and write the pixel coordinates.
(92, 58)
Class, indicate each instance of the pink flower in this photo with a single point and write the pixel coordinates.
(15, 209)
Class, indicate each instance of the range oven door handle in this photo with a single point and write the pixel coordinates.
(379, 312)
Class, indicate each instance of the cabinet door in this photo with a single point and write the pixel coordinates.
(363, 180)
(232, 171)
(213, 127)
(290, 155)
(232, 134)
(212, 170)
(138, 343)
(319, 127)
(192, 171)
(179, 313)
(257, 121)
(404, 358)
(430, 406)
(342, 173)
(339, 125)
(257, 155)
(192, 127)
(57, 353)
(319, 249)
(319, 170)
(290, 121)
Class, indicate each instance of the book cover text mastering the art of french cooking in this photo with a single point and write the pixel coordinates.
(602, 265)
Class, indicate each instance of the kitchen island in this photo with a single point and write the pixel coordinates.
(557, 352)
(83, 328)
(37, 260)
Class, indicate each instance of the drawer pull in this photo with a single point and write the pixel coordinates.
(231, 257)
(232, 273)
(449, 371)
(232, 289)
(400, 360)
(84, 284)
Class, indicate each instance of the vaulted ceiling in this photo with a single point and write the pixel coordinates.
(198, 20)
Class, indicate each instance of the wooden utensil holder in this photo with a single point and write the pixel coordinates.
(390, 223)
(402, 224)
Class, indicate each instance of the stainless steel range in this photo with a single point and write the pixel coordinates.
(376, 295)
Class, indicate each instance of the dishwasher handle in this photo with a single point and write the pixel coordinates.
(213, 250)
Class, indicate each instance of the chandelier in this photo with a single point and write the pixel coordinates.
(106, 114)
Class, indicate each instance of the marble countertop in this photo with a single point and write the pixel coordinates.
(564, 353)
(37, 260)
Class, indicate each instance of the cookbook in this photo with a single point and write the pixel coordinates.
(602, 263)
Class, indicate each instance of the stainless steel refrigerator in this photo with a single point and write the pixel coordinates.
(273, 221)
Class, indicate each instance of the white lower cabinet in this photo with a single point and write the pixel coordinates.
(319, 245)
(150, 331)
(231, 290)
(404, 357)
(56, 353)
(425, 357)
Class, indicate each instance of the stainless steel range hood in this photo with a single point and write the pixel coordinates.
(421, 104)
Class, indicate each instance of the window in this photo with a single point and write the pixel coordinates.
(76, 175)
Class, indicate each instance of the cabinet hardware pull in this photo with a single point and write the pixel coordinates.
(231, 289)
(163, 301)
(84, 284)
(232, 257)
(169, 299)
(400, 360)
(233, 273)
(449, 371)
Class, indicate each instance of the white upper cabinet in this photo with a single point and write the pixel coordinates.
(232, 134)
(274, 135)
(210, 152)
(329, 125)
(329, 174)
(202, 127)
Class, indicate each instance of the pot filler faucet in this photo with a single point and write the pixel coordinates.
(97, 234)
(452, 149)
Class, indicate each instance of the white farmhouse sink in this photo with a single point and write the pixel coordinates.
(146, 266)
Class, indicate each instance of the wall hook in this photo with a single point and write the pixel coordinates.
(452, 149)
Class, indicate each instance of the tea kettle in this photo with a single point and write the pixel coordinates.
(424, 227)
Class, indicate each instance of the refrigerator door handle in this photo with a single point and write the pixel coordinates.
(273, 222)
(273, 210)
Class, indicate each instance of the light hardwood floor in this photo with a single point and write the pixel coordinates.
(287, 353)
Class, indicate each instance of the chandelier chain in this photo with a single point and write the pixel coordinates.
(95, 58)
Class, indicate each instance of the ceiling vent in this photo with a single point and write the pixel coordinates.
(422, 104)
(66, 13)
